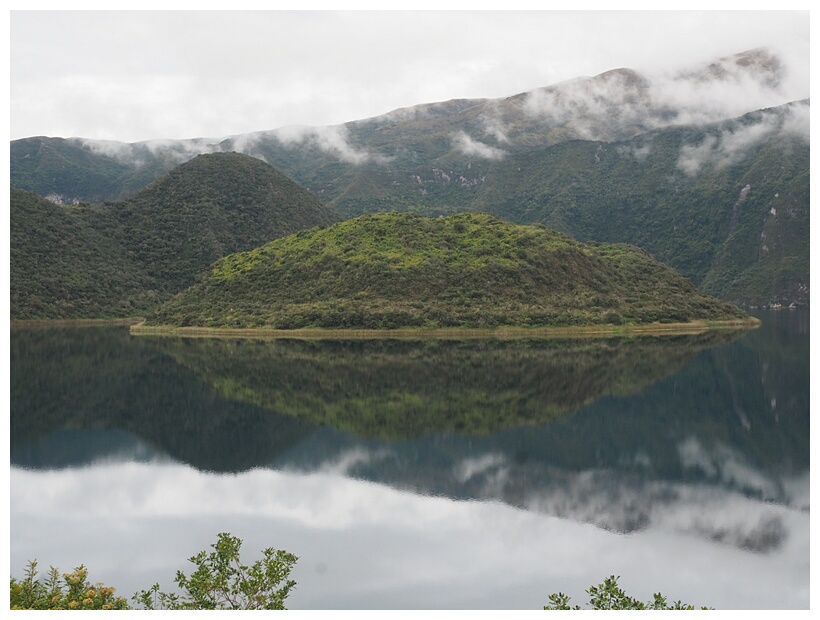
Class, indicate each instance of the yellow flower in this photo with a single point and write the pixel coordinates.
(55, 598)
(108, 606)
(74, 604)
(90, 592)
(88, 601)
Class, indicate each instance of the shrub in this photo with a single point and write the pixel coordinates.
(221, 581)
(72, 591)
(608, 595)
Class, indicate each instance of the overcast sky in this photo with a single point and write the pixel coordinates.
(142, 75)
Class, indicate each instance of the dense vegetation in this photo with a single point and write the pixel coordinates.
(209, 207)
(471, 270)
(737, 225)
(120, 259)
(63, 265)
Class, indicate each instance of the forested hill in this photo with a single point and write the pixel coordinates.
(470, 270)
(121, 258)
(64, 262)
(209, 207)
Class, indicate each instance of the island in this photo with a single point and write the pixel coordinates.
(469, 271)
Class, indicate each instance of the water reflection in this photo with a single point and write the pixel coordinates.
(365, 545)
(218, 399)
(682, 465)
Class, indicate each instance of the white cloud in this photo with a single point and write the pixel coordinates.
(468, 146)
(732, 144)
(495, 128)
(333, 140)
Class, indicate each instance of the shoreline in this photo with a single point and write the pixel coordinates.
(449, 333)
(134, 320)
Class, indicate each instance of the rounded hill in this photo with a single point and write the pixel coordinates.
(211, 206)
(468, 270)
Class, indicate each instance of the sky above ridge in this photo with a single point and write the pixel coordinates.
(145, 75)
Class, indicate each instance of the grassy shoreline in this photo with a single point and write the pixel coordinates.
(134, 320)
(418, 333)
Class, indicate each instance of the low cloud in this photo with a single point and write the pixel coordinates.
(595, 108)
(621, 100)
(467, 146)
(136, 153)
(333, 139)
(638, 151)
(732, 144)
(495, 128)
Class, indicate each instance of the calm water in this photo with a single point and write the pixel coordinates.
(422, 474)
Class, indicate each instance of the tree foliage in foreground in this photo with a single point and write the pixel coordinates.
(220, 581)
(69, 591)
(608, 595)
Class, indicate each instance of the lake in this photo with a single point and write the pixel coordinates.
(422, 474)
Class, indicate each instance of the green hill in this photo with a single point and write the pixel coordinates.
(120, 258)
(62, 265)
(403, 270)
(209, 207)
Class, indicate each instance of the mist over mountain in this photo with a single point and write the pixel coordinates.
(615, 105)
(706, 168)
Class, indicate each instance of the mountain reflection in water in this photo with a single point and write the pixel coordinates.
(702, 437)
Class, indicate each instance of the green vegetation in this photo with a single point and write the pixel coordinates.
(738, 230)
(121, 259)
(71, 591)
(66, 168)
(394, 270)
(63, 265)
(608, 595)
(220, 581)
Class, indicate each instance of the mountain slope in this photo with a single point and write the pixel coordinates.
(726, 204)
(403, 270)
(208, 207)
(63, 266)
(118, 259)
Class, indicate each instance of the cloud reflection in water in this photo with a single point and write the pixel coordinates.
(399, 549)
